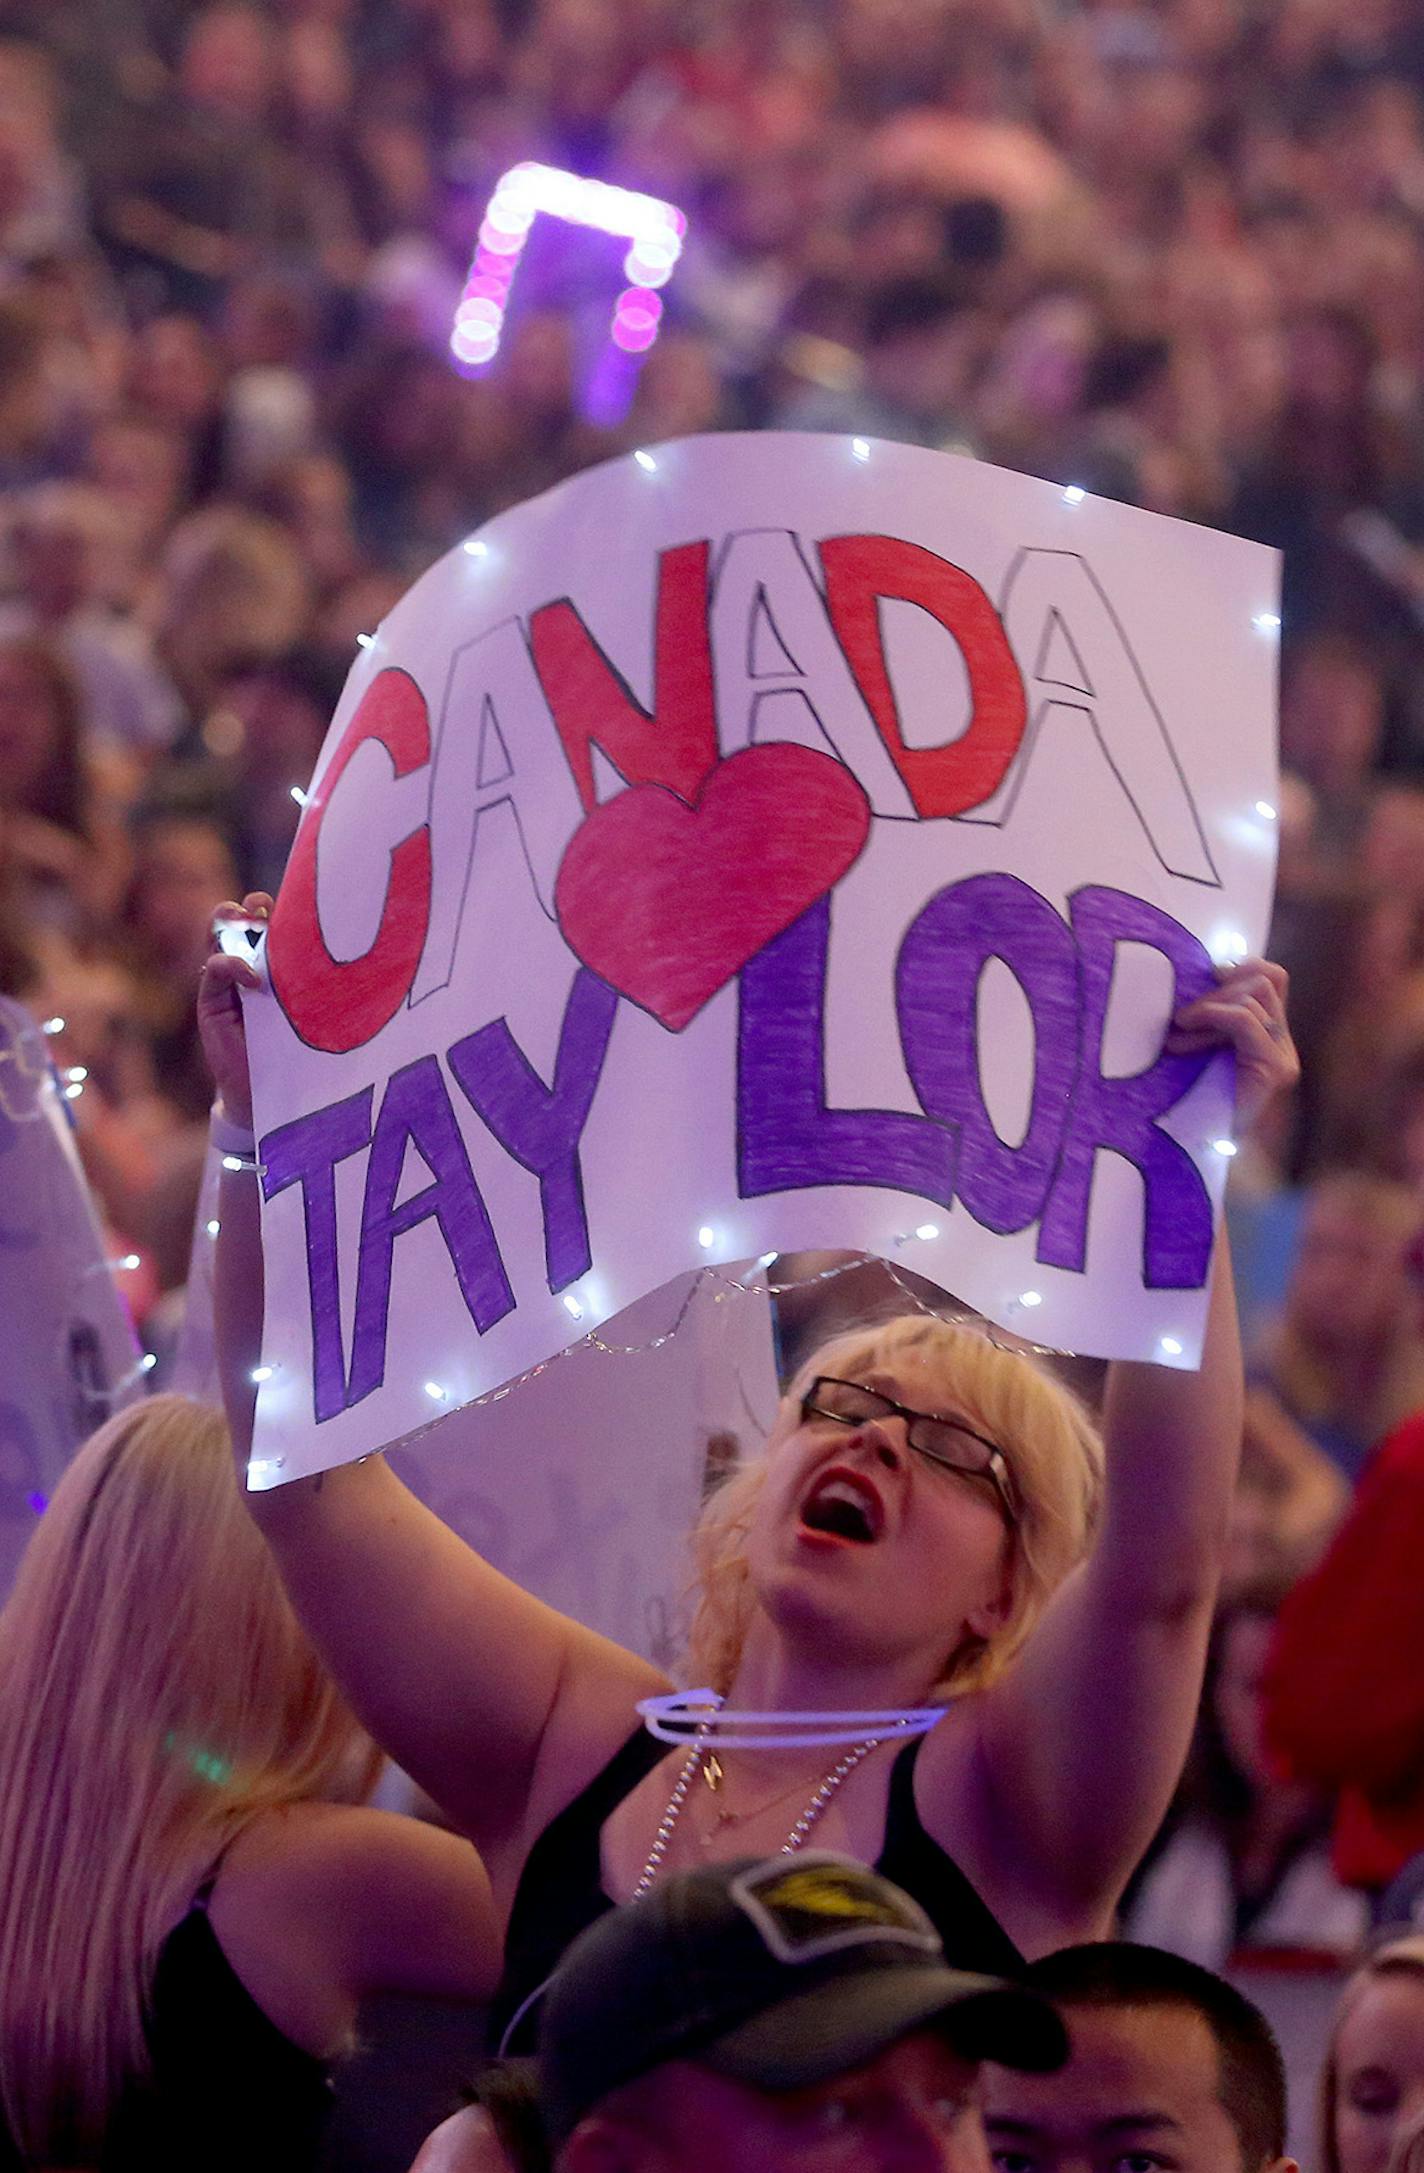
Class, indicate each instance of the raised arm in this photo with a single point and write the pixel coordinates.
(1083, 1740)
(487, 1697)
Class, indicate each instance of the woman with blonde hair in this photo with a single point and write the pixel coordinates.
(1372, 2082)
(193, 1899)
(1407, 2154)
(925, 1525)
(1345, 1360)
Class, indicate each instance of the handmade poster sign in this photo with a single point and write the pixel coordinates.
(596, 1523)
(583, 1484)
(760, 842)
(71, 1357)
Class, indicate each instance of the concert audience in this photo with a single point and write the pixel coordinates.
(1344, 1688)
(194, 1901)
(1169, 250)
(1344, 1360)
(1243, 1861)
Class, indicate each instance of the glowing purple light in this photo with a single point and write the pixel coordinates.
(635, 320)
(38, 1502)
(654, 231)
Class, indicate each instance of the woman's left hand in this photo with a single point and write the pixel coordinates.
(1247, 1009)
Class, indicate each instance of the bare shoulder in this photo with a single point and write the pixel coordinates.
(962, 1807)
(362, 1901)
(955, 1799)
(594, 1715)
(465, 2143)
(330, 1850)
(949, 1778)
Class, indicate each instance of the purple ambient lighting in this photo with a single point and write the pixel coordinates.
(654, 231)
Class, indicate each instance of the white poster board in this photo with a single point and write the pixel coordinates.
(583, 1483)
(762, 842)
(71, 1356)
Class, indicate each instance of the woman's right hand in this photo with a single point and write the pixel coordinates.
(220, 1023)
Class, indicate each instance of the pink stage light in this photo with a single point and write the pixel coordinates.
(654, 231)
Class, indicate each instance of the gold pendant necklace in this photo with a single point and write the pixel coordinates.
(714, 1773)
(698, 1755)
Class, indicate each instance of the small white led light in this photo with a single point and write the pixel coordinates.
(707, 1237)
(54, 1026)
(1226, 1147)
(298, 795)
(928, 1231)
(78, 1073)
(861, 448)
(1074, 494)
(213, 1227)
(1170, 1346)
(1266, 812)
(1267, 622)
(233, 1161)
(365, 641)
(1031, 1297)
(572, 1306)
(147, 1363)
(74, 1089)
(436, 1393)
(262, 1373)
(129, 1262)
(646, 462)
(476, 547)
(765, 1259)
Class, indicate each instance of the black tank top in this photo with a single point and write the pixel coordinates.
(227, 2091)
(560, 1889)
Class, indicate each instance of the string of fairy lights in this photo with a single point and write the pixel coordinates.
(725, 1284)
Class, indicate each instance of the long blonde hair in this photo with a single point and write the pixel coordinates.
(1055, 1459)
(1397, 1958)
(1307, 1377)
(1407, 2150)
(156, 1693)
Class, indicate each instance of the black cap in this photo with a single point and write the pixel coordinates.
(779, 1974)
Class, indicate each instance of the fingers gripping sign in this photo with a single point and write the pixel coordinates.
(231, 967)
(1247, 1011)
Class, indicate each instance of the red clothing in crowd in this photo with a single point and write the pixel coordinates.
(1345, 1683)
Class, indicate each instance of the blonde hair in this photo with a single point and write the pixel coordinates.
(1398, 1958)
(1055, 1461)
(1407, 2151)
(156, 1693)
(1308, 1377)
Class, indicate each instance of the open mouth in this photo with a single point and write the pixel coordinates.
(843, 1506)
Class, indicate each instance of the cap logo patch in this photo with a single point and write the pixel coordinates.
(820, 1904)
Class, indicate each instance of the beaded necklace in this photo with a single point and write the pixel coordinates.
(667, 1824)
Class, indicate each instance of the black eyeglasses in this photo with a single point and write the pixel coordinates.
(944, 1441)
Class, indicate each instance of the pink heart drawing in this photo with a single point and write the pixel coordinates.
(667, 901)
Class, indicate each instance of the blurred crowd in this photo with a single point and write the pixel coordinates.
(1171, 251)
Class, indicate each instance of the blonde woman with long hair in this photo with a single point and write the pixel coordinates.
(193, 1898)
(1345, 1359)
(1407, 2155)
(925, 1524)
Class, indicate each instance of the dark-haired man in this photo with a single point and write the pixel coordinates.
(1168, 2067)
